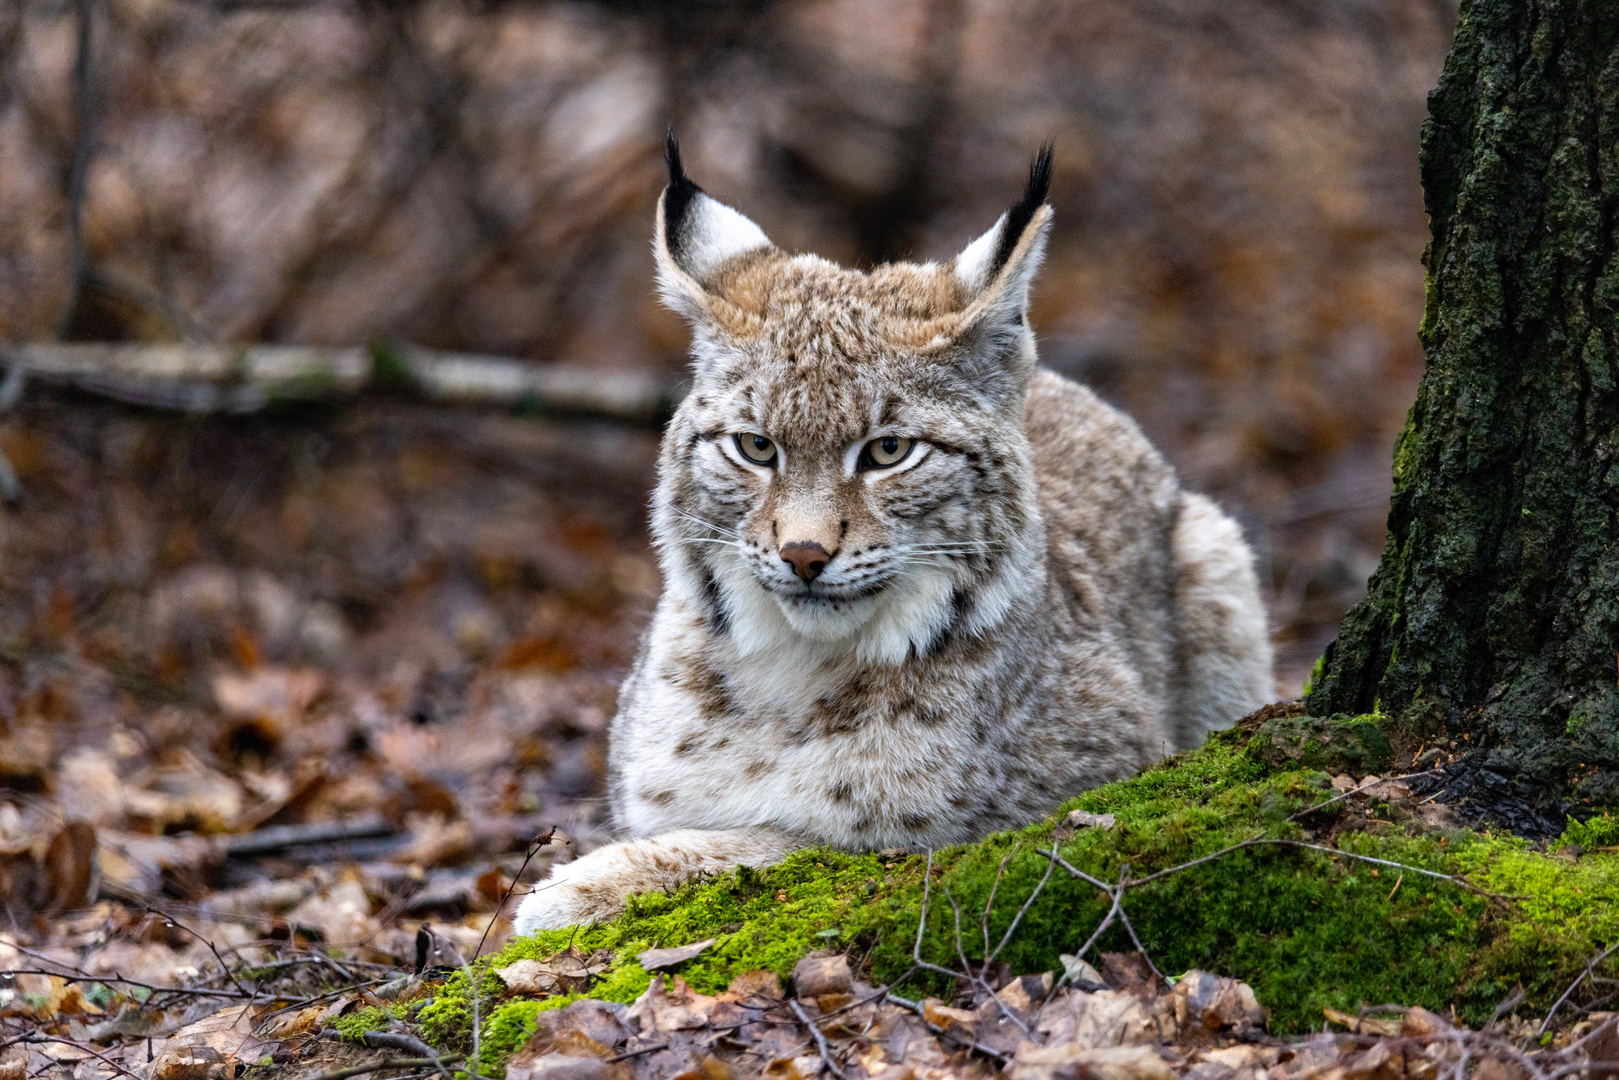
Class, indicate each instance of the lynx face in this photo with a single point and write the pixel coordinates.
(845, 491)
(850, 467)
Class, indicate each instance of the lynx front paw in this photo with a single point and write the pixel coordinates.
(592, 889)
(571, 896)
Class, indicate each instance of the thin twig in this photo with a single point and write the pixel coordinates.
(394, 1040)
(944, 1033)
(40, 1037)
(1609, 951)
(1018, 918)
(1265, 841)
(1140, 948)
(626, 1055)
(81, 975)
(534, 847)
(820, 1040)
(1000, 872)
(224, 966)
(386, 1063)
(189, 991)
(922, 920)
(474, 1063)
(1357, 790)
(979, 978)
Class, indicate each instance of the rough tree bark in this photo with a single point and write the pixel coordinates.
(1495, 611)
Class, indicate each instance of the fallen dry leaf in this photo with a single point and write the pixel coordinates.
(567, 972)
(660, 1011)
(815, 976)
(658, 959)
(1084, 819)
(211, 1047)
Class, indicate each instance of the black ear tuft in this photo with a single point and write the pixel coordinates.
(678, 195)
(1022, 212)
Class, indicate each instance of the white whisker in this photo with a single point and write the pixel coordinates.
(721, 529)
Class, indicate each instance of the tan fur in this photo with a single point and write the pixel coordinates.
(1026, 606)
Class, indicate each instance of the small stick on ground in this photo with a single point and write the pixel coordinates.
(626, 1055)
(223, 966)
(1018, 918)
(820, 1040)
(38, 1037)
(534, 847)
(1590, 967)
(385, 1063)
(916, 1007)
(1000, 872)
(980, 979)
(1357, 790)
(395, 1040)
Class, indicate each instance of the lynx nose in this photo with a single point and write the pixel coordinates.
(808, 559)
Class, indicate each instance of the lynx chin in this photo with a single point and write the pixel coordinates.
(916, 588)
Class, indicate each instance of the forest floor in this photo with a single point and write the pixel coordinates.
(293, 705)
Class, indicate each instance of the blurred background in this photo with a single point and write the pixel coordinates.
(387, 610)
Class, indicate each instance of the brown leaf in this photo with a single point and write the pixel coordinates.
(295, 1023)
(434, 842)
(228, 1034)
(50, 996)
(1420, 1022)
(1096, 1063)
(555, 1067)
(658, 959)
(13, 1063)
(341, 914)
(193, 1063)
(69, 867)
(1215, 1004)
(758, 983)
(941, 1015)
(565, 973)
(804, 1067)
(660, 1011)
(817, 975)
(1106, 1018)
(1084, 819)
(600, 1021)
(1130, 971)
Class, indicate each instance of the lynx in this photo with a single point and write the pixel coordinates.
(916, 588)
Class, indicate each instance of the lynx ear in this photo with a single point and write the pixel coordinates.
(989, 340)
(696, 235)
(997, 269)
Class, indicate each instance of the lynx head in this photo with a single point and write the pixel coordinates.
(850, 470)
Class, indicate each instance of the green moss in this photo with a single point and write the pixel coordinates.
(1338, 744)
(510, 1026)
(1307, 929)
(1315, 673)
(356, 1024)
(1596, 834)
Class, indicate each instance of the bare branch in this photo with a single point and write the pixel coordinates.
(1609, 951)
(827, 1059)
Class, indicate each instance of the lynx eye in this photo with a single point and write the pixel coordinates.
(886, 452)
(756, 448)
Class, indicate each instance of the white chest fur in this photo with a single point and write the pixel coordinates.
(764, 754)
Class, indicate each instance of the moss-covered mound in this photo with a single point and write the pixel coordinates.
(1307, 929)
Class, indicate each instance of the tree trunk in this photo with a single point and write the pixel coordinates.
(1495, 611)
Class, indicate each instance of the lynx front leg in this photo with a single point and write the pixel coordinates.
(592, 889)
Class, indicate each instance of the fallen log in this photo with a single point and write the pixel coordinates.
(248, 378)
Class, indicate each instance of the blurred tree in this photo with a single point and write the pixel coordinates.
(1495, 611)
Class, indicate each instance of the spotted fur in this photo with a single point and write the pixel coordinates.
(1026, 606)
